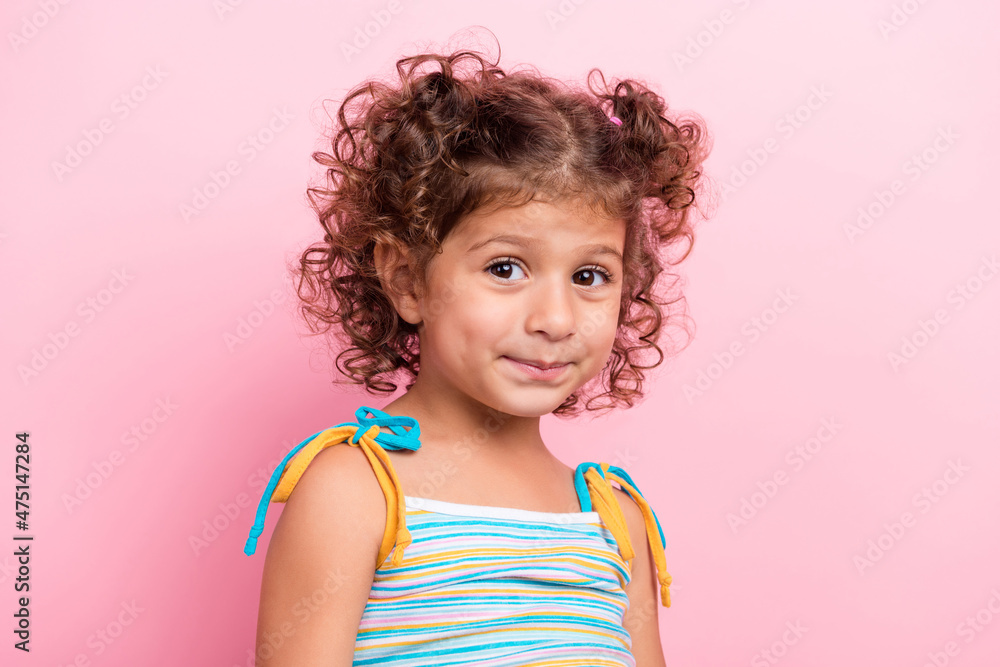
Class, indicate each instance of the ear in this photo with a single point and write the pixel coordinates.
(399, 280)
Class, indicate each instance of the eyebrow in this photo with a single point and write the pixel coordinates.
(521, 242)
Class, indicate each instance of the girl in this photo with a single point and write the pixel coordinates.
(495, 237)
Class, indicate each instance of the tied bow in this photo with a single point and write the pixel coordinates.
(368, 434)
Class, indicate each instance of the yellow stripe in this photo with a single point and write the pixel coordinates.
(503, 551)
(452, 555)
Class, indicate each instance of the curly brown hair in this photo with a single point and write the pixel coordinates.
(409, 159)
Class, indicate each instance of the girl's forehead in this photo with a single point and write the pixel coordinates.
(541, 220)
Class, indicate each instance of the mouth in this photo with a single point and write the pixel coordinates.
(543, 365)
(539, 370)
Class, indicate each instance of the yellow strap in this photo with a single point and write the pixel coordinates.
(603, 499)
(396, 532)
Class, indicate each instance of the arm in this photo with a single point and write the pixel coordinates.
(641, 620)
(320, 563)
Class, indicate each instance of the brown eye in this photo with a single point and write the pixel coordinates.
(590, 275)
(503, 269)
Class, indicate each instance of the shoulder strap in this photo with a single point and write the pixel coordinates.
(368, 435)
(601, 497)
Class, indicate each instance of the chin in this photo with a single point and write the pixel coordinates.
(526, 407)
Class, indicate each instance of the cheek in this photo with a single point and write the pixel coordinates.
(467, 323)
(605, 333)
(480, 322)
(607, 314)
(608, 341)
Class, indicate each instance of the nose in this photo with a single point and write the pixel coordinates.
(551, 310)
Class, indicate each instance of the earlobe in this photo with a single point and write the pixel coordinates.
(396, 274)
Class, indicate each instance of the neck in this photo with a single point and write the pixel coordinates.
(445, 420)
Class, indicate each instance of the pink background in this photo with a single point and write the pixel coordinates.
(881, 100)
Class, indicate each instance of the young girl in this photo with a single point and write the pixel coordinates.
(495, 237)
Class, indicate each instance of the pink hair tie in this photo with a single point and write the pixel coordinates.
(616, 120)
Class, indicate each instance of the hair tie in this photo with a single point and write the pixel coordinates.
(616, 120)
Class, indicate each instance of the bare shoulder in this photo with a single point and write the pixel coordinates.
(320, 562)
(339, 483)
(642, 619)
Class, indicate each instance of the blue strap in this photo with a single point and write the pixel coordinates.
(408, 439)
(584, 493)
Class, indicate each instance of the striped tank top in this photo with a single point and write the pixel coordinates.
(460, 584)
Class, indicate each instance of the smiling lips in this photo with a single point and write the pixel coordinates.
(539, 370)
(540, 364)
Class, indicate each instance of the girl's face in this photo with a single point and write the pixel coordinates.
(515, 291)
